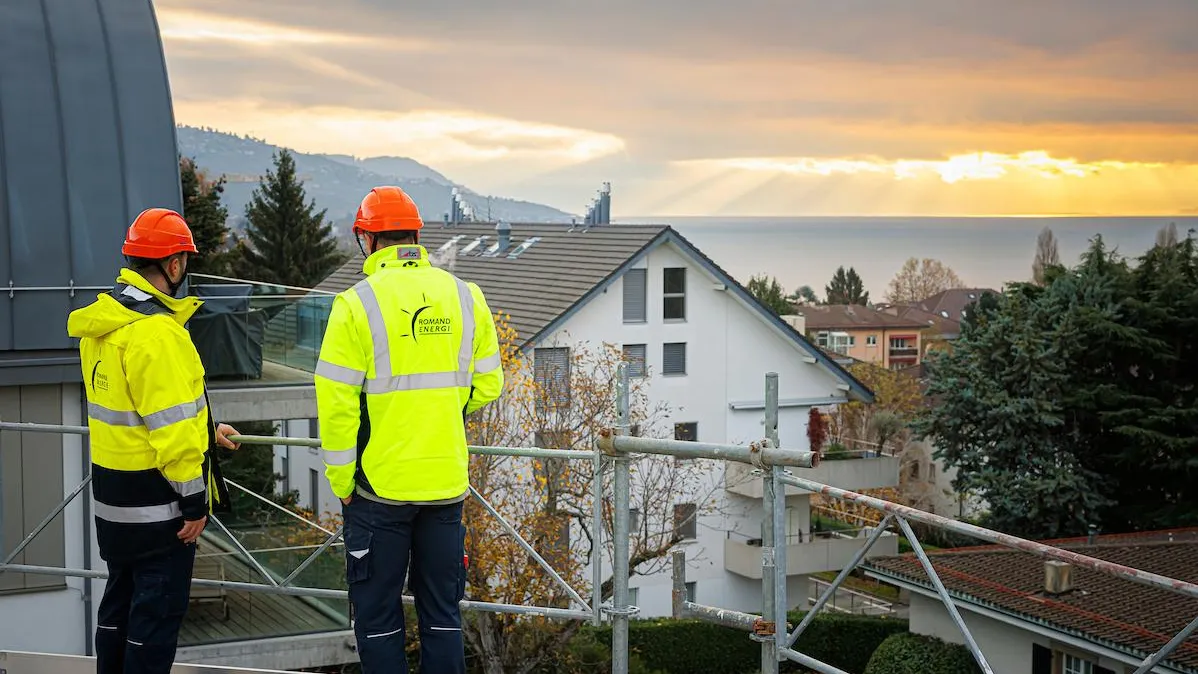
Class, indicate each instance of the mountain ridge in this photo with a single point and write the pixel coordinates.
(337, 183)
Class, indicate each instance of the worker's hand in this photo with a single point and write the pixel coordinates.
(347, 499)
(191, 530)
(223, 431)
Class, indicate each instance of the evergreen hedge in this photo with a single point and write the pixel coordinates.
(908, 653)
(696, 647)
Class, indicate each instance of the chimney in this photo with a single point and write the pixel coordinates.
(504, 232)
(1058, 577)
(797, 321)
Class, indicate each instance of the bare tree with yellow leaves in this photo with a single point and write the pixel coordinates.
(562, 404)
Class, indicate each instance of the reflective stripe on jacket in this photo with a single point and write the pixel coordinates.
(408, 352)
(147, 414)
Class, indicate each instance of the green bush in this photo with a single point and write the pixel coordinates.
(908, 653)
(696, 647)
(845, 641)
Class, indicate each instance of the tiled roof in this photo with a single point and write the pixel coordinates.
(1101, 608)
(853, 317)
(544, 281)
(933, 323)
(950, 304)
(541, 287)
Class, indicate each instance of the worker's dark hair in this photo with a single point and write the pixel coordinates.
(397, 236)
(139, 264)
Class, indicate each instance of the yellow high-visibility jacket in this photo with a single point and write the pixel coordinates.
(147, 414)
(408, 352)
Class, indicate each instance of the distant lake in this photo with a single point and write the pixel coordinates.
(985, 252)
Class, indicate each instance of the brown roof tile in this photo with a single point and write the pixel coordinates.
(1102, 608)
(852, 317)
(544, 281)
(951, 304)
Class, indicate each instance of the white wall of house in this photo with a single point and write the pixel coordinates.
(52, 620)
(303, 469)
(1007, 646)
(729, 350)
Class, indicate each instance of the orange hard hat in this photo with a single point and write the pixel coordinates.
(158, 233)
(388, 209)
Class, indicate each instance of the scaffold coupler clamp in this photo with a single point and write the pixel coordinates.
(606, 443)
(628, 612)
(755, 456)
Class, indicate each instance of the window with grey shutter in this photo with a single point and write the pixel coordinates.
(634, 296)
(673, 358)
(686, 520)
(551, 370)
(634, 355)
(673, 292)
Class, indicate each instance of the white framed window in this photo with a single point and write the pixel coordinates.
(673, 287)
(635, 296)
(634, 596)
(686, 520)
(673, 359)
(551, 370)
(871, 340)
(1071, 664)
(634, 355)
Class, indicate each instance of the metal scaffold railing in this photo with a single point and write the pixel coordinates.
(618, 450)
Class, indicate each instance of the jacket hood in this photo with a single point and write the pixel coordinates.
(107, 314)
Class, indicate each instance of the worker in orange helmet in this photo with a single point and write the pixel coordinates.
(153, 478)
(409, 351)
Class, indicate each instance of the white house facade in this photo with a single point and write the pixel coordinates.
(706, 346)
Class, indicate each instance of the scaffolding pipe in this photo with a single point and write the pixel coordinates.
(48, 519)
(1159, 656)
(1039, 549)
(620, 609)
(835, 585)
(511, 531)
(949, 604)
(769, 566)
(596, 538)
(531, 452)
(759, 454)
(297, 591)
(328, 543)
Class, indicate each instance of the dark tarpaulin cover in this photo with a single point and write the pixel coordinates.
(227, 333)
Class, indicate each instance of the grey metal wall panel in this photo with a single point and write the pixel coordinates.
(31, 474)
(95, 200)
(35, 182)
(87, 140)
(5, 239)
(147, 123)
(12, 524)
(41, 479)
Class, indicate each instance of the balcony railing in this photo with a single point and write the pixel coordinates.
(254, 334)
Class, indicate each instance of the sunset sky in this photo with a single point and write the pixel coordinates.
(698, 107)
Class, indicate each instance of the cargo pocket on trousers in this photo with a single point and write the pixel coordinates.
(357, 554)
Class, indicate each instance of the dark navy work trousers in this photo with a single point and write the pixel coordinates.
(381, 543)
(137, 626)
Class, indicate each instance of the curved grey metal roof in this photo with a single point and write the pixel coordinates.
(87, 140)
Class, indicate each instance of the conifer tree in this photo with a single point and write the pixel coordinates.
(846, 288)
(287, 241)
(206, 217)
(1073, 404)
